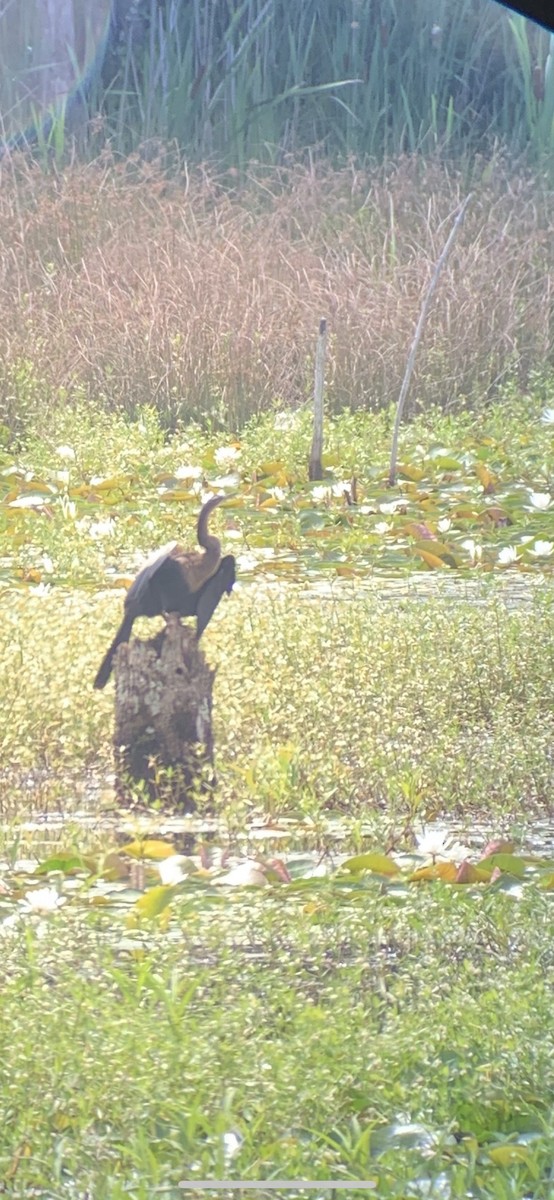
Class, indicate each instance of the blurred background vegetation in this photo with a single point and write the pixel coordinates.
(236, 80)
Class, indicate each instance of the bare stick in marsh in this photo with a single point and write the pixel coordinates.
(417, 337)
(315, 469)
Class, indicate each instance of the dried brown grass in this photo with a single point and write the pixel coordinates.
(131, 288)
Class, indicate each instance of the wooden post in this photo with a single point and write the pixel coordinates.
(417, 337)
(315, 469)
(163, 739)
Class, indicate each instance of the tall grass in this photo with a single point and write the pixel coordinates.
(370, 78)
(48, 56)
(264, 79)
(120, 284)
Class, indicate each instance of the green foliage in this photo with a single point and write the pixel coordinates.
(314, 1034)
(368, 80)
(21, 399)
(262, 82)
(473, 493)
(537, 83)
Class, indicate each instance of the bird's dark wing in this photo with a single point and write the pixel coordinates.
(170, 582)
(139, 586)
(212, 591)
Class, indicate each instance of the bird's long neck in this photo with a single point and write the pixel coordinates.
(210, 544)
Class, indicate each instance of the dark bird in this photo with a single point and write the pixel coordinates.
(188, 582)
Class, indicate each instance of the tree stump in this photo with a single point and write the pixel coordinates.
(163, 737)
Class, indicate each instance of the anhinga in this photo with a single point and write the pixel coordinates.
(188, 582)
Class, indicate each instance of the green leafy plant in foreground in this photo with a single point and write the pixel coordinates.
(288, 1032)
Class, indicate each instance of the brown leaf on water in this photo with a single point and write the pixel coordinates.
(114, 867)
(467, 873)
(418, 529)
(464, 513)
(447, 871)
(496, 516)
(277, 868)
(498, 846)
(406, 471)
(432, 560)
(486, 478)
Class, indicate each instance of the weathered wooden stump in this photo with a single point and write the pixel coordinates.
(163, 738)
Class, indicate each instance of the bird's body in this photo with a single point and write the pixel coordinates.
(188, 582)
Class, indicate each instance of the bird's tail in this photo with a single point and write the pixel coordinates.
(123, 634)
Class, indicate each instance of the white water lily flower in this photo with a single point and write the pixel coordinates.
(246, 874)
(225, 481)
(188, 472)
(444, 524)
(43, 900)
(507, 555)
(40, 589)
(102, 528)
(66, 452)
(540, 500)
(231, 1143)
(475, 552)
(542, 549)
(324, 491)
(247, 561)
(391, 506)
(225, 455)
(439, 844)
(171, 870)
